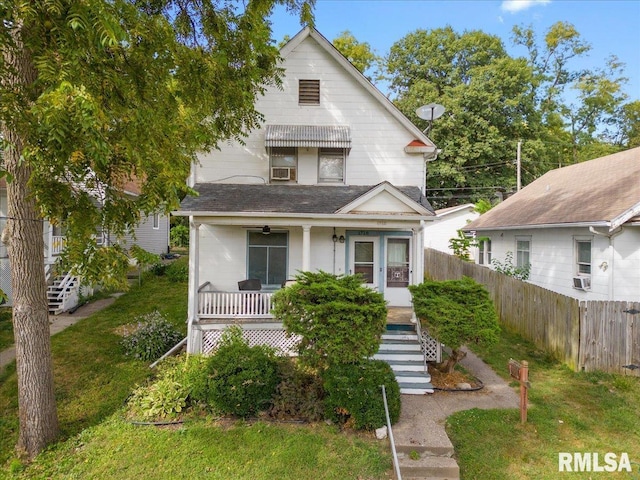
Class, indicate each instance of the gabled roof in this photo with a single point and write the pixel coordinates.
(443, 212)
(229, 199)
(360, 78)
(601, 192)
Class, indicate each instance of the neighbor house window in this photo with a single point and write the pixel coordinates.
(523, 252)
(309, 92)
(284, 163)
(267, 257)
(331, 165)
(156, 221)
(484, 251)
(583, 257)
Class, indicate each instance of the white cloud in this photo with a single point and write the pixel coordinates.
(515, 6)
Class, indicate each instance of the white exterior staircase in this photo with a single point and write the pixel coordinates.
(63, 293)
(402, 350)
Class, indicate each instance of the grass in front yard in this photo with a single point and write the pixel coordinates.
(6, 328)
(569, 412)
(92, 376)
(204, 449)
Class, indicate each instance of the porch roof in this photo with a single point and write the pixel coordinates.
(286, 199)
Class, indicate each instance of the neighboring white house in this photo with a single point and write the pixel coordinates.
(450, 220)
(152, 234)
(333, 181)
(578, 227)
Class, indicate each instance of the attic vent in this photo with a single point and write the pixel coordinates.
(309, 92)
(582, 283)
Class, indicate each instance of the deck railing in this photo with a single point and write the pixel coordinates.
(57, 244)
(234, 304)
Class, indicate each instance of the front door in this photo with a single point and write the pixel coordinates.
(397, 271)
(364, 259)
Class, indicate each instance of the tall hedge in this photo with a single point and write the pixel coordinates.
(456, 312)
(339, 319)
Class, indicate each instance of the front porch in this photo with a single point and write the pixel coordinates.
(251, 310)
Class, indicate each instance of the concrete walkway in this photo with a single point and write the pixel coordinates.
(57, 323)
(420, 430)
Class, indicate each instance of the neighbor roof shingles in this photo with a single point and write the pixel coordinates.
(589, 192)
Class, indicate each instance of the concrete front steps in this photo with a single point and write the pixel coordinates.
(401, 349)
(424, 449)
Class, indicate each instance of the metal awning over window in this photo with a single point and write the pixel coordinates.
(313, 136)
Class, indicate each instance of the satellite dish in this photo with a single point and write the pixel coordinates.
(430, 111)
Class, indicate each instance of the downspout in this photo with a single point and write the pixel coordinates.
(611, 255)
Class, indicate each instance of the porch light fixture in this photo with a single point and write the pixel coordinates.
(341, 239)
(266, 230)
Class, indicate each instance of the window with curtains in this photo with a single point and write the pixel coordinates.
(398, 262)
(267, 257)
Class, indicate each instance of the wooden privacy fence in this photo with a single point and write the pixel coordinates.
(585, 336)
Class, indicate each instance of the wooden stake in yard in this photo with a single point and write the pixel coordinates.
(520, 371)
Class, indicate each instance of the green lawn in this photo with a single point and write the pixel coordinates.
(569, 412)
(202, 449)
(92, 376)
(93, 379)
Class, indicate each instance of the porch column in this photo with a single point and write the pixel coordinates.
(418, 256)
(193, 344)
(306, 248)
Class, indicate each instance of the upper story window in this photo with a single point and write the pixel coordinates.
(308, 92)
(583, 256)
(331, 165)
(523, 252)
(283, 163)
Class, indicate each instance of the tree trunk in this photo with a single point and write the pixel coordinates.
(23, 236)
(450, 363)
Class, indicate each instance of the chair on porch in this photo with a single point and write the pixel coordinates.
(251, 284)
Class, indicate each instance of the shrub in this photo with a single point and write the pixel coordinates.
(178, 270)
(456, 312)
(164, 399)
(179, 236)
(172, 392)
(158, 269)
(242, 379)
(339, 319)
(299, 394)
(354, 397)
(153, 336)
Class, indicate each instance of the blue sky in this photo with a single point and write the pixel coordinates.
(612, 27)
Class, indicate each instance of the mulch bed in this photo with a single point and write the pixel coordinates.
(449, 381)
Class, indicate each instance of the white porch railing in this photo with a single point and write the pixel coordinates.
(234, 305)
(57, 244)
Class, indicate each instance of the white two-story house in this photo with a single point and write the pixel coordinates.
(334, 180)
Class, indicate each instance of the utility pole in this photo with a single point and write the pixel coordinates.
(518, 167)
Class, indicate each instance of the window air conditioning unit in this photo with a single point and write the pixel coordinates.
(281, 173)
(582, 283)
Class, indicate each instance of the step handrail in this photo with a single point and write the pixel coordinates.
(396, 464)
(421, 340)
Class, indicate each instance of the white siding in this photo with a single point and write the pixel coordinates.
(615, 268)
(438, 233)
(378, 140)
(223, 254)
(154, 240)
